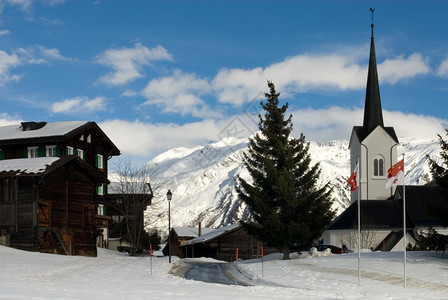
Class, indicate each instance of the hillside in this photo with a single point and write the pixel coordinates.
(203, 179)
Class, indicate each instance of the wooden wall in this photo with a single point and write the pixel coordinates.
(224, 247)
(70, 193)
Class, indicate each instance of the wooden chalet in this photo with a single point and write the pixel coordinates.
(75, 139)
(221, 244)
(47, 204)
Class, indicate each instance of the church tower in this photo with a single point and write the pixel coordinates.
(374, 144)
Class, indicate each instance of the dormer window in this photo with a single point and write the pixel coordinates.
(27, 126)
(378, 167)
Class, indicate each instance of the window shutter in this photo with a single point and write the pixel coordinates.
(41, 152)
(25, 153)
(104, 210)
(96, 161)
(75, 151)
(2, 154)
(58, 151)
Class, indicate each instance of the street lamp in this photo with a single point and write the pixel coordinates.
(169, 195)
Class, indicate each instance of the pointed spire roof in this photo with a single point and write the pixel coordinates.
(373, 114)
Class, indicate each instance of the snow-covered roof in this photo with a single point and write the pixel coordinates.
(13, 132)
(27, 165)
(211, 235)
(191, 231)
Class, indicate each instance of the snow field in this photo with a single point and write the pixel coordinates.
(114, 275)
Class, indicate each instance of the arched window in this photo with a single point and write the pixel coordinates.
(378, 166)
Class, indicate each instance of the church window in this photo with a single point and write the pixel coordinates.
(378, 167)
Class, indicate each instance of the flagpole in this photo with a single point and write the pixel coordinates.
(404, 224)
(359, 222)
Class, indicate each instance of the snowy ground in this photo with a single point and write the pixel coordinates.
(113, 275)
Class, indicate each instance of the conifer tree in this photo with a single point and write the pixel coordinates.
(440, 175)
(288, 208)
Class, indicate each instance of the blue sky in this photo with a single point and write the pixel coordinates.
(162, 74)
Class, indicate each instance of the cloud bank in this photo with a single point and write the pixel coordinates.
(321, 125)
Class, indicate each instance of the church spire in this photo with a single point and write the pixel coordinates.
(373, 115)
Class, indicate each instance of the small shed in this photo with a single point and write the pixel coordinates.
(47, 204)
(180, 235)
(222, 244)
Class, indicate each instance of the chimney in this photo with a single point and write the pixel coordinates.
(199, 229)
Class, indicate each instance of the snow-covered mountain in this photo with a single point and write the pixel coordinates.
(203, 179)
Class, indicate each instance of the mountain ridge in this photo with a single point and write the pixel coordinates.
(203, 179)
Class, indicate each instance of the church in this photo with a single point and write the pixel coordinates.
(375, 147)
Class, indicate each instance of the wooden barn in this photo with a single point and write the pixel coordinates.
(221, 244)
(180, 235)
(47, 204)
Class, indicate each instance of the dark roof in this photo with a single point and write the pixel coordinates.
(375, 214)
(361, 132)
(56, 131)
(388, 214)
(373, 115)
(211, 235)
(415, 203)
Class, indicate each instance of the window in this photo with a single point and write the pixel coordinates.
(51, 151)
(81, 138)
(70, 150)
(378, 166)
(32, 152)
(100, 190)
(101, 210)
(100, 161)
(81, 154)
(89, 138)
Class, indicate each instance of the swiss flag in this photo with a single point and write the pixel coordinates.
(396, 175)
(354, 179)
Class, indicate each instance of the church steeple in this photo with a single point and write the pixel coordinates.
(373, 115)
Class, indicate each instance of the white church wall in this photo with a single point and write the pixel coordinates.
(370, 239)
(378, 145)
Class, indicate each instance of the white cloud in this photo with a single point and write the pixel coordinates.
(394, 70)
(305, 72)
(32, 55)
(79, 104)
(129, 93)
(442, 71)
(8, 62)
(4, 32)
(146, 139)
(39, 54)
(6, 119)
(128, 62)
(321, 125)
(180, 93)
(24, 5)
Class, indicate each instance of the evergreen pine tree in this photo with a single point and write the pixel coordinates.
(440, 175)
(287, 206)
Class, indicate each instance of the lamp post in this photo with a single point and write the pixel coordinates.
(169, 195)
